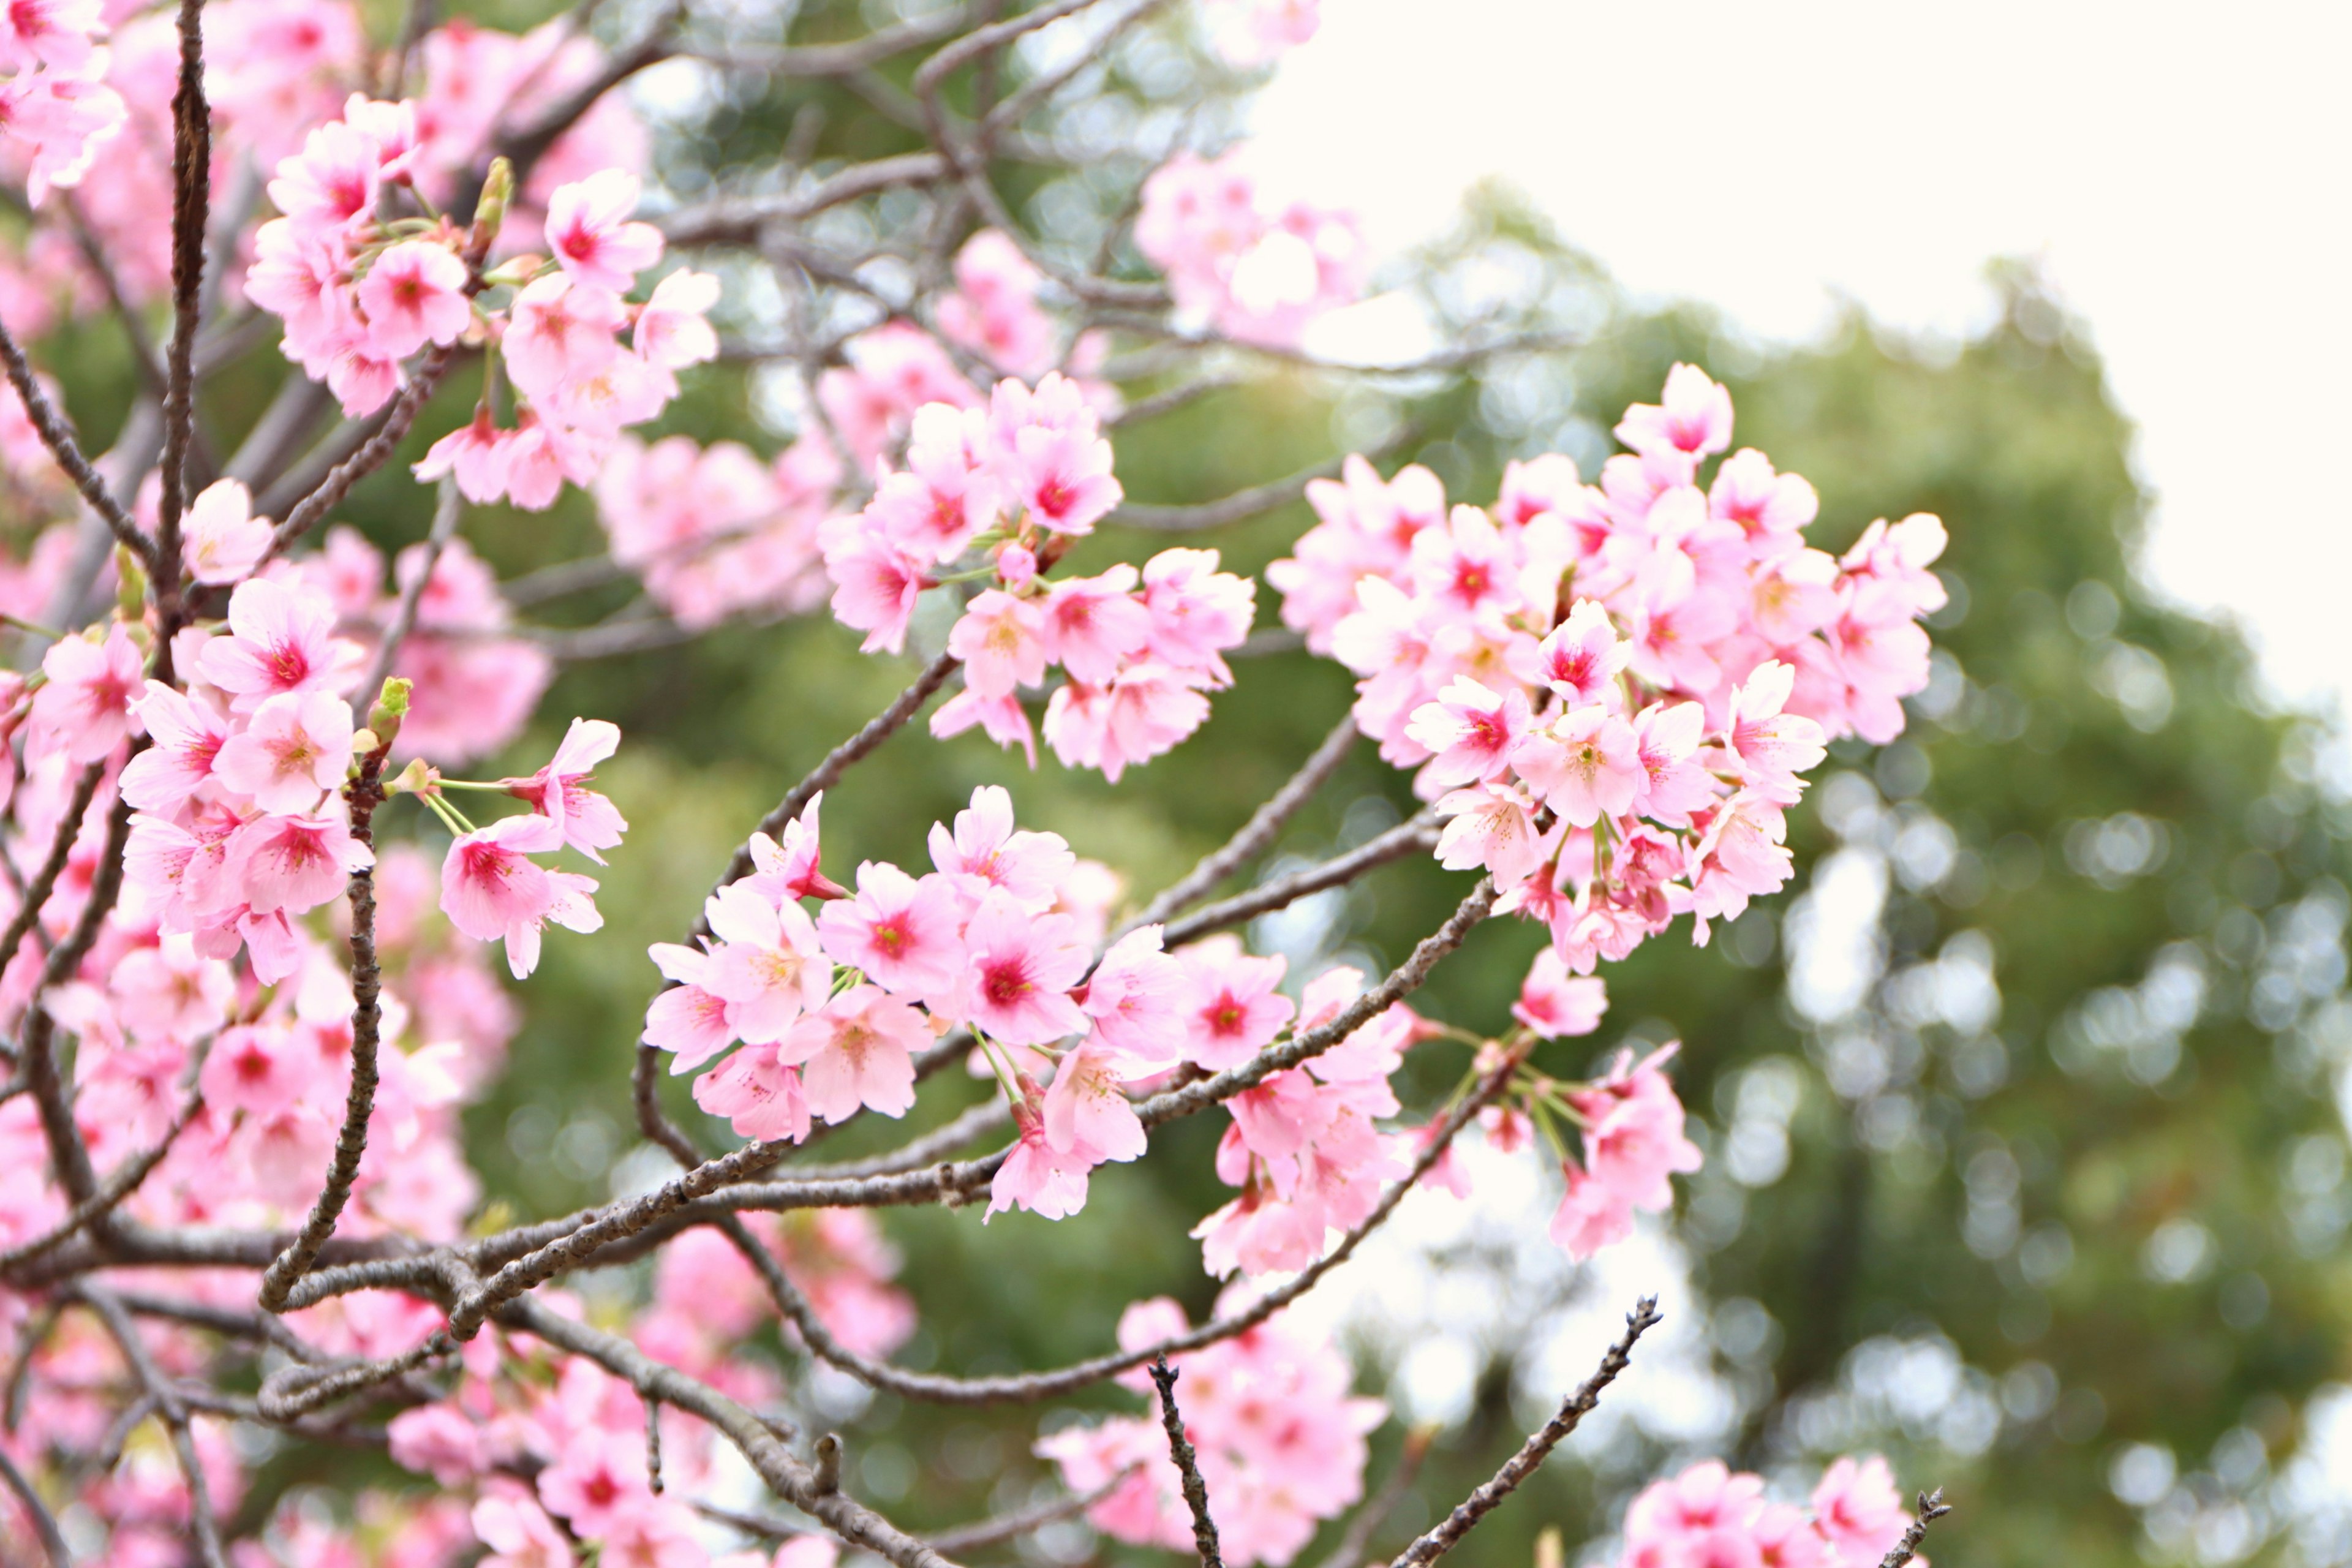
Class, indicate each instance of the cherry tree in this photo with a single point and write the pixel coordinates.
(244, 1007)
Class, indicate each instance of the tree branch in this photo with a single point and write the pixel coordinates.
(1180, 1449)
(1466, 1514)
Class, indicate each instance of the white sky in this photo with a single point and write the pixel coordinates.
(2183, 172)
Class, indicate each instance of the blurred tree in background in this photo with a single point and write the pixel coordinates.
(2025, 1164)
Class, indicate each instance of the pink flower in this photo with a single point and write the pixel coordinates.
(518, 1533)
(1470, 730)
(1775, 746)
(415, 294)
(84, 710)
(1591, 1215)
(1671, 786)
(876, 582)
(897, 930)
(1693, 419)
(1087, 1114)
(1091, 625)
(282, 641)
(769, 967)
(1633, 1138)
(589, 233)
(224, 541)
(1466, 568)
(1554, 1004)
(1489, 826)
(858, 1049)
(1001, 642)
(597, 1480)
(1037, 1178)
(477, 452)
(1002, 719)
(759, 1096)
(687, 1018)
(559, 330)
(1197, 612)
(1049, 455)
(1585, 764)
(1857, 1508)
(293, 863)
(790, 870)
(54, 33)
(671, 331)
(1022, 965)
(560, 791)
(260, 1071)
(295, 746)
(986, 851)
(65, 120)
(490, 889)
(1232, 1010)
(1136, 997)
(1145, 709)
(1582, 656)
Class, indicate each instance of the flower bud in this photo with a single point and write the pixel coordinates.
(391, 708)
(130, 585)
(490, 212)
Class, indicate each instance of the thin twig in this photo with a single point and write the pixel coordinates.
(364, 793)
(1257, 832)
(1467, 1513)
(1012, 1526)
(191, 182)
(1180, 1449)
(837, 762)
(58, 437)
(1367, 1519)
(119, 1184)
(1932, 1508)
(312, 509)
(1416, 834)
(44, 1523)
(173, 1412)
(449, 506)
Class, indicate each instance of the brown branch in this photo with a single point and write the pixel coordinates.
(171, 1409)
(363, 795)
(1416, 834)
(191, 182)
(837, 762)
(737, 220)
(58, 437)
(67, 1152)
(1180, 1449)
(1367, 1519)
(120, 1184)
(1932, 1508)
(822, 60)
(449, 506)
(1031, 1387)
(372, 455)
(1257, 832)
(788, 1476)
(44, 1523)
(1012, 1526)
(1572, 1410)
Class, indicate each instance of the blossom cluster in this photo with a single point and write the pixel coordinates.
(55, 109)
(1712, 1517)
(1251, 266)
(1014, 484)
(1279, 1439)
(712, 531)
(1612, 693)
(363, 287)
